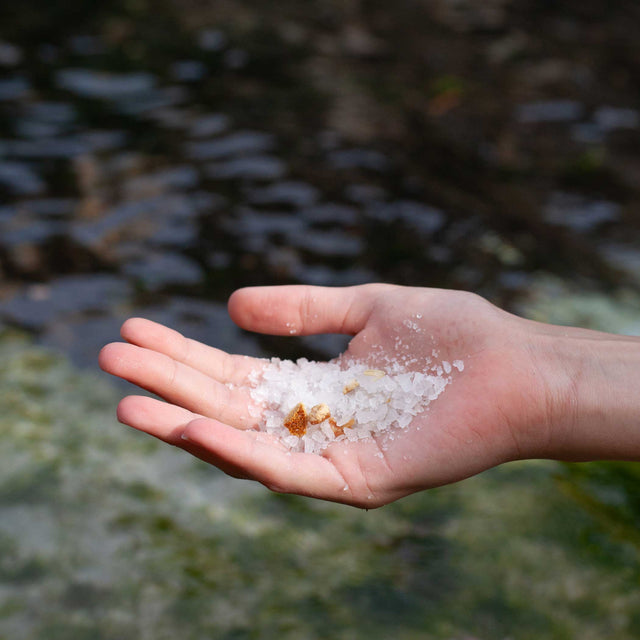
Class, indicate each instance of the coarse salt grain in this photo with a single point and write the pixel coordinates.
(380, 401)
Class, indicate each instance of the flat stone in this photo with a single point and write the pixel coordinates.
(157, 270)
(259, 168)
(416, 215)
(233, 144)
(188, 70)
(367, 159)
(104, 85)
(10, 55)
(579, 213)
(21, 179)
(289, 193)
(68, 147)
(549, 111)
(330, 243)
(14, 88)
(211, 124)
(330, 213)
(39, 305)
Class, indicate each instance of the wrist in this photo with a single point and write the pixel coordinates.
(592, 395)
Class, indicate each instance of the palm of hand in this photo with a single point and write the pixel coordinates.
(466, 430)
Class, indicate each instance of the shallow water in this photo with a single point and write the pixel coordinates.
(152, 160)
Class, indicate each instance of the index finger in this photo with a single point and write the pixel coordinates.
(218, 364)
(305, 309)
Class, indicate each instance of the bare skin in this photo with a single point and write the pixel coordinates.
(527, 390)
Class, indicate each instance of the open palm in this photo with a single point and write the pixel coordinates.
(490, 413)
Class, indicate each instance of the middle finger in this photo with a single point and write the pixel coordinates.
(179, 384)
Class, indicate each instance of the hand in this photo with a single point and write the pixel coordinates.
(497, 409)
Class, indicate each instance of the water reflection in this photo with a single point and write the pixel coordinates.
(153, 177)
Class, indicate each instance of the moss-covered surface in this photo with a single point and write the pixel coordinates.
(106, 534)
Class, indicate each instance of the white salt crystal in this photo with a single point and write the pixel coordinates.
(446, 366)
(327, 430)
(318, 436)
(383, 399)
(458, 364)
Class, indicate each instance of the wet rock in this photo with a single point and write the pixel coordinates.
(172, 178)
(330, 213)
(515, 280)
(7, 214)
(212, 40)
(104, 85)
(139, 219)
(171, 117)
(81, 338)
(68, 147)
(359, 42)
(175, 233)
(25, 128)
(20, 179)
(145, 105)
(40, 305)
(104, 140)
(50, 207)
(233, 144)
(625, 257)
(219, 260)
(30, 231)
(211, 124)
(321, 274)
(367, 159)
(330, 243)
(364, 193)
(579, 213)
(14, 88)
(467, 15)
(258, 168)
(10, 55)
(549, 111)
(508, 47)
(86, 45)
(256, 229)
(159, 270)
(587, 133)
(188, 70)
(289, 194)
(62, 113)
(614, 118)
(236, 58)
(415, 215)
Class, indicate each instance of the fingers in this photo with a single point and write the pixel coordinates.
(215, 363)
(257, 457)
(157, 418)
(303, 310)
(167, 422)
(178, 383)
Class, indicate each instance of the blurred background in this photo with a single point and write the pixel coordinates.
(155, 156)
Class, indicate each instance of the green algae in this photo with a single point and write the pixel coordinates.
(107, 534)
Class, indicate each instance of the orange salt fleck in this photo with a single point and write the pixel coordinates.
(319, 413)
(296, 421)
(350, 386)
(338, 429)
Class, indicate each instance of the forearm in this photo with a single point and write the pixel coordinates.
(596, 396)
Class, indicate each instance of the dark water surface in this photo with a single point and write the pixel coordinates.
(154, 157)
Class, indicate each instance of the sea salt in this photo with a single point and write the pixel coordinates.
(362, 402)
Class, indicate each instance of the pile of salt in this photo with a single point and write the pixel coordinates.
(362, 402)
